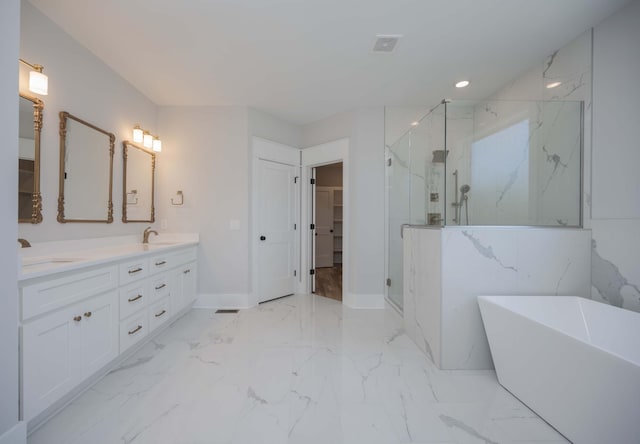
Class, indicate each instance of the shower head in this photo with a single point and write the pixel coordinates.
(464, 189)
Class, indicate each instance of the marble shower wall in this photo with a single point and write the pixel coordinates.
(549, 176)
(615, 215)
(441, 313)
(422, 284)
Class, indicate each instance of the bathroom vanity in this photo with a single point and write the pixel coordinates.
(84, 310)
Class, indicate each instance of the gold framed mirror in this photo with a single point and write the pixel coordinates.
(30, 126)
(86, 171)
(138, 183)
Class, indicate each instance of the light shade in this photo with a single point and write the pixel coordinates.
(38, 83)
(157, 144)
(137, 134)
(147, 140)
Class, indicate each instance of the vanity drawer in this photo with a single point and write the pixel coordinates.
(133, 329)
(133, 297)
(184, 256)
(159, 313)
(52, 294)
(159, 286)
(159, 263)
(133, 270)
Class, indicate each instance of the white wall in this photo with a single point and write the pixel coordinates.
(9, 43)
(365, 129)
(84, 86)
(271, 128)
(616, 158)
(206, 155)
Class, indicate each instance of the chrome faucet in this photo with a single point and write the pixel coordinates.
(147, 232)
(24, 243)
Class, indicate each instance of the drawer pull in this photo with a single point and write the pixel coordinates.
(134, 299)
(161, 286)
(77, 318)
(161, 313)
(87, 314)
(135, 270)
(160, 263)
(187, 271)
(135, 330)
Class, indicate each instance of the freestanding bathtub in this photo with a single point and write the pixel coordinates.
(573, 361)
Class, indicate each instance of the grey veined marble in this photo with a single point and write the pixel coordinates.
(303, 369)
(607, 279)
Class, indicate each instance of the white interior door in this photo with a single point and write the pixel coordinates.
(324, 227)
(275, 220)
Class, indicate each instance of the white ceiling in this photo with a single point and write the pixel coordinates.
(303, 60)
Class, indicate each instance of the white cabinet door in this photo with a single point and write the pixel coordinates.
(189, 281)
(51, 361)
(184, 286)
(99, 332)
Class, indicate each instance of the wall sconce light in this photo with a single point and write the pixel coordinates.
(38, 82)
(157, 144)
(137, 134)
(146, 139)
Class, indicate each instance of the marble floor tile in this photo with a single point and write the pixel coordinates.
(299, 370)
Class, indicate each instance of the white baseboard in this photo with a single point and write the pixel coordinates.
(17, 434)
(358, 300)
(226, 301)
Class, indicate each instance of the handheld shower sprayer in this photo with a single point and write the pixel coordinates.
(464, 189)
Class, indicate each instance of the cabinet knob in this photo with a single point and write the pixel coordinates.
(263, 238)
(77, 318)
(135, 270)
(187, 271)
(87, 314)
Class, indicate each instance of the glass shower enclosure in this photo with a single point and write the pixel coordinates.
(490, 162)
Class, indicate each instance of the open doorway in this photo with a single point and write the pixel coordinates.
(328, 236)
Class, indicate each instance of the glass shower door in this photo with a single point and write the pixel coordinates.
(399, 200)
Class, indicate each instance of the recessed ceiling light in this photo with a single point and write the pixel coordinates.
(553, 84)
(462, 84)
(415, 123)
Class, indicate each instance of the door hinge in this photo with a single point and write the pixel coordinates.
(313, 181)
(312, 271)
(312, 226)
(389, 161)
(388, 282)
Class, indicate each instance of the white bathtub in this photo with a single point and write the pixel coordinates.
(573, 361)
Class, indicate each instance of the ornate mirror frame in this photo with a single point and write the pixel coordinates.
(36, 197)
(64, 116)
(126, 145)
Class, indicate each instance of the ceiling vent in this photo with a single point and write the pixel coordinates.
(385, 44)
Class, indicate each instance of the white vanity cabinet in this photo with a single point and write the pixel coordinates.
(75, 323)
(61, 349)
(185, 278)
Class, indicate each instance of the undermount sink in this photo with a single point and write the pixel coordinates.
(161, 244)
(46, 260)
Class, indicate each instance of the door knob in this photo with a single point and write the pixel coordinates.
(331, 231)
(263, 238)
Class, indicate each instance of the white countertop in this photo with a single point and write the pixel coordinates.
(46, 258)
